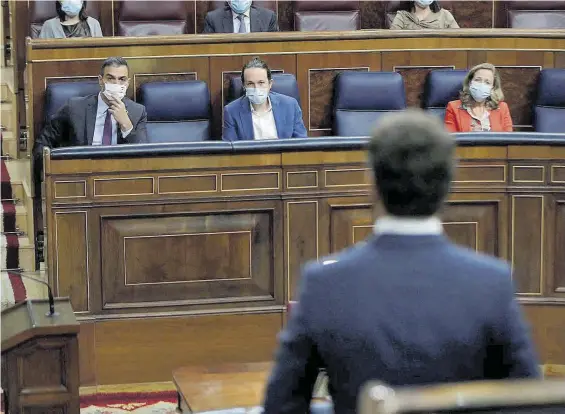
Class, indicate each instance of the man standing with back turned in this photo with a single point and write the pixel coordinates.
(408, 306)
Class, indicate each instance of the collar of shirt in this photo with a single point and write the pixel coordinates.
(408, 226)
(102, 106)
(234, 14)
(269, 108)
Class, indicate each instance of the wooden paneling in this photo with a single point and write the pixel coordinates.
(87, 353)
(204, 258)
(559, 247)
(478, 16)
(548, 329)
(120, 346)
(302, 220)
(527, 243)
(71, 261)
(206, 243)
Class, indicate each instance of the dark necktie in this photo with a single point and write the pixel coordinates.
(242, 28)
(107, 134)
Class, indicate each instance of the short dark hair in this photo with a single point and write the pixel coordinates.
(255, 63)
(62, 16)
(114, 62)
(411, 155)
(409, 6)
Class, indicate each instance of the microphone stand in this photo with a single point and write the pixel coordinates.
(26, 275)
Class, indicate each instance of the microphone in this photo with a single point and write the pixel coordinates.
(26, 275)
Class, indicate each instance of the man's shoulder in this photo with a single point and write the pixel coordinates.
(339, 262)
(79, 102)
(263, 11)
(482, 262)
(217, 13)
(235, 104)
(133, 105)
(283, 99)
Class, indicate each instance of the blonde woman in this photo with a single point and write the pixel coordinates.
(481, 106)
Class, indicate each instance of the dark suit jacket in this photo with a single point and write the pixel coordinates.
(73, 125)
(260, 19)
(238, 122)
(403, 310)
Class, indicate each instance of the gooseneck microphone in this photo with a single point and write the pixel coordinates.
(26, 275)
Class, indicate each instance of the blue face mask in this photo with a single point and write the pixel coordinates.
(71, 8)
(424, 3)
(480, 91)
(257, 96)
(240, 6)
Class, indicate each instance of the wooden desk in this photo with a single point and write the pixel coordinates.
(191, 251)
(314, 58)
(221, 387)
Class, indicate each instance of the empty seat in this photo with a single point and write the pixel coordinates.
(283, 83)
(335, 15)
(549, 108)
(150, 18)
(176, 110)
(441, 87)
(57, 94)
(361, 98)
(533, 14)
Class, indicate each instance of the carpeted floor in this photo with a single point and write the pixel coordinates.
(164, 402)
(13, 288)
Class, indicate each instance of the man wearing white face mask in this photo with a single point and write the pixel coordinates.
(422, 14)
(72, 21)
(240, 16)
(260, 113)
(107, 118)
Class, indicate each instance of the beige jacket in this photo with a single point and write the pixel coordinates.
(405, 20)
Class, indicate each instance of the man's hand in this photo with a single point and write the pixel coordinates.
(118, 110)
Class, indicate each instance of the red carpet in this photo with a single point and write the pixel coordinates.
(10, 243)
(164, 402)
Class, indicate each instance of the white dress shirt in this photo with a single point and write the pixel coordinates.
(264, 126)
(101, 109)
(408, 226)
(236, 22)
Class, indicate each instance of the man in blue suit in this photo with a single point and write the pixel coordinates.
(260, 113)
(407, 306)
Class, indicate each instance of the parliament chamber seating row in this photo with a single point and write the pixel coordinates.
(181, 110)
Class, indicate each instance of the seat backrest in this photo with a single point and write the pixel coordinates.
(509, 396)
(177, 111)
(335, 15)
(283, 83)
(532, 14)
(549, 109)
(153, 18)
(40, 11)
(57, 94)
(361, 98)
(440, 87)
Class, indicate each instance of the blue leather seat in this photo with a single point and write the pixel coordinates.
(441, 87)
(549, 108)
(361, 98)
(177, 111)
(57, 94)
(283, 83)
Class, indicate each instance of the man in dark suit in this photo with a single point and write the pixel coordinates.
(407, 306)
(107, 118)
(261, 113)
(240, 16)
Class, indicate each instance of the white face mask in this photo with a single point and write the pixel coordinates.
(114, 90)
(257, 96)
(480, 91)
(424, 3)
